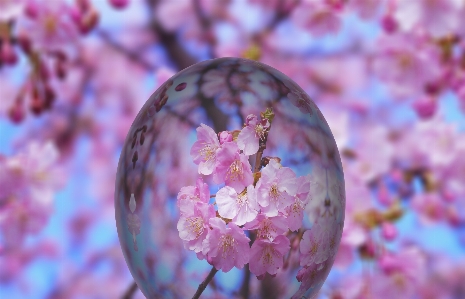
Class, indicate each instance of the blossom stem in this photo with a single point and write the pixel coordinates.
(203, 285)
(130, 291)
(258, 157)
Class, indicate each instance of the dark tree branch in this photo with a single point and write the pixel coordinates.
(183, 59)
(131, 55)
(130, 291)
(206, 24)
(204, 283)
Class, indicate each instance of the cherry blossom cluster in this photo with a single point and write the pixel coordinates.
(45, 33)
(267, 204)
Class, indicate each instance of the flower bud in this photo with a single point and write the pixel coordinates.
(119, 4)
(49, 97)
(425, 107)
(24, 42)
(388, 231)
(8, 54)
(225, 136)
(89, 21)
(36, 106)
(389, 24)
(31, 9)
(16, 113)
(250, 120)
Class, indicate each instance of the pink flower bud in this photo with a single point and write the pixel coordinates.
(89, 21)
(383, 195)
(36, 106)
(24, 42)
(388, 263)
(84, 5)
(251, 120)
(425, 107)
(8, 54)
(448, 196)
(31, 10)
(389, 24)
(225, 136)
(388, 231)
(16, 113)
(75, 14)
(119, 4)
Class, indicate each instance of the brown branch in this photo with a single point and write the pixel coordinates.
(204, 283)
(206, 25)
(245, 287)
(130, 291)
(131, 55)
(181, 117)
(183, 59)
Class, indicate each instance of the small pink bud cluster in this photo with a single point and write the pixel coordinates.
(268, 204)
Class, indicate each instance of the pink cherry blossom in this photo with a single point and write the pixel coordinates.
(266, 256)
(295, 212)
(268, 227)
(11, 9)
(430, 207)
(251, 134)
(233, 168)
(406, 62)
(32, 175)
(320, 243)
(317, 17)
(374, 155)
(353, 237)
(51, 24)
(241, 208)
(312, 249)
(193, 227)
(189, 195)
(276, 188)
(311, 278)
(366, 9)
(226, 246)
(400, 274)
(205, 149)
(438, 17)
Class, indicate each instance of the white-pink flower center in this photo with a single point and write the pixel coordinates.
(297, 206)
(242, 200)
(208, 152)
(267, 257)
(274, 192)
(195, 226)
(228, 245)
(313, 248)
(266, 229)
(235, 171)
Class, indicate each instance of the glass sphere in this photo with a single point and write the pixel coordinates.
(230, 166)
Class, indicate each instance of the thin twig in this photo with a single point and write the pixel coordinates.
(204, 283)
(130, 291)
(131, 55)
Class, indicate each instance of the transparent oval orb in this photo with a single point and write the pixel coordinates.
(263, 201)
